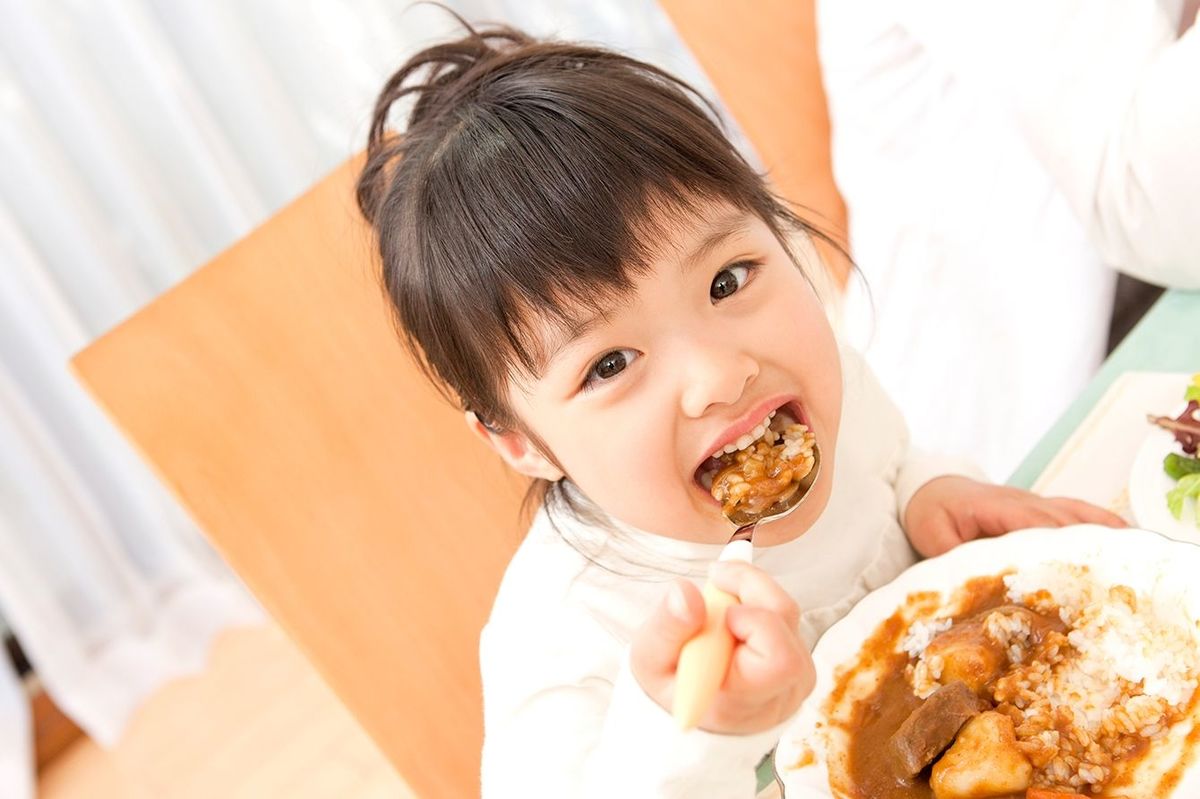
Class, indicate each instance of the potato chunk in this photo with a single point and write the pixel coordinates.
(984, 761)
(968, 656)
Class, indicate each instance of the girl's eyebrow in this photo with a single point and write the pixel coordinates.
(723, 228)
(577, 330)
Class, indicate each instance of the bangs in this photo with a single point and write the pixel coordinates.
(578, 275)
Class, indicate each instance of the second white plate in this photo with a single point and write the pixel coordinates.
(1148, 487)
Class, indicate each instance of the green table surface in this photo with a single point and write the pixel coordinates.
(1167, 339)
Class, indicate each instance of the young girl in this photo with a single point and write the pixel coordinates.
(575, 252)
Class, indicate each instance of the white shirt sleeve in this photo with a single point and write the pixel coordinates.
(918, 468)
(910, 467)
(1108, 98)
(555, 728)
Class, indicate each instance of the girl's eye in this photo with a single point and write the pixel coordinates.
(610, 365)
(728, 281)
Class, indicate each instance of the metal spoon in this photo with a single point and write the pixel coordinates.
(704, 660)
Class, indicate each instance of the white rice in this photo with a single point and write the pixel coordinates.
(921, 633)
(1116, 632)
(797, 439)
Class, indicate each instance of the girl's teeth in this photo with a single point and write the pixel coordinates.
(748, 438)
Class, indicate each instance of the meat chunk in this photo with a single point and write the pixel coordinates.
(930, 728)
(983, 762)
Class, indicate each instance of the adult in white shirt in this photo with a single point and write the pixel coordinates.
(996, 160)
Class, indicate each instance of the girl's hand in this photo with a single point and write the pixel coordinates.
(771, 672)
(947, 511)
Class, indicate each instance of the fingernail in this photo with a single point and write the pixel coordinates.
(677, 603)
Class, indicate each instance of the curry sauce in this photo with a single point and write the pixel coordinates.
(872, 764)
(879, 716)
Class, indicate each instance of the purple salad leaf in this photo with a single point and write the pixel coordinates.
(1185, 427)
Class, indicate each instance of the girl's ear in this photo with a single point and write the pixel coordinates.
(516, 449)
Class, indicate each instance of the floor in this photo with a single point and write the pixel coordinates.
(258, 723)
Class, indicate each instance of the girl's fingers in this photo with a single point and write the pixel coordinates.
(1062, 517)
(769, 653)
(678, 617)
(755, 588)
(1056, 512)
(1085, 512)
(1019, 516)
(940, 535)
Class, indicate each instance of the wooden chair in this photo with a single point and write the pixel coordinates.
(270, 393)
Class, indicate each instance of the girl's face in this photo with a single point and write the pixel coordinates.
(720, 331)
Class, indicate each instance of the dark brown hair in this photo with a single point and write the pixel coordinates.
(525, 189)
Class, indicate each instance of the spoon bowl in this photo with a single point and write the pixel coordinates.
(746, 522)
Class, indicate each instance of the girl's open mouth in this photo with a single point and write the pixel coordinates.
(758, 471)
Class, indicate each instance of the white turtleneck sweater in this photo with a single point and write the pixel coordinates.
(564, 716)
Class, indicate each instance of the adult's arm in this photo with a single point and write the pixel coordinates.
(1108, 96)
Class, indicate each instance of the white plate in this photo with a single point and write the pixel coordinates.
(1141, 559)
(1149, 484)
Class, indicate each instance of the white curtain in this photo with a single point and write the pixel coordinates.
(139, 139)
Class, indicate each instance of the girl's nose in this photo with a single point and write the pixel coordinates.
(716, 376)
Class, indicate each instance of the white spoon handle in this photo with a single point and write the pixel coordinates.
(705, 659)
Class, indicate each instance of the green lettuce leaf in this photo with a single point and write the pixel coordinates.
(1176, 465)
(1193, 390)
(1188, 486)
